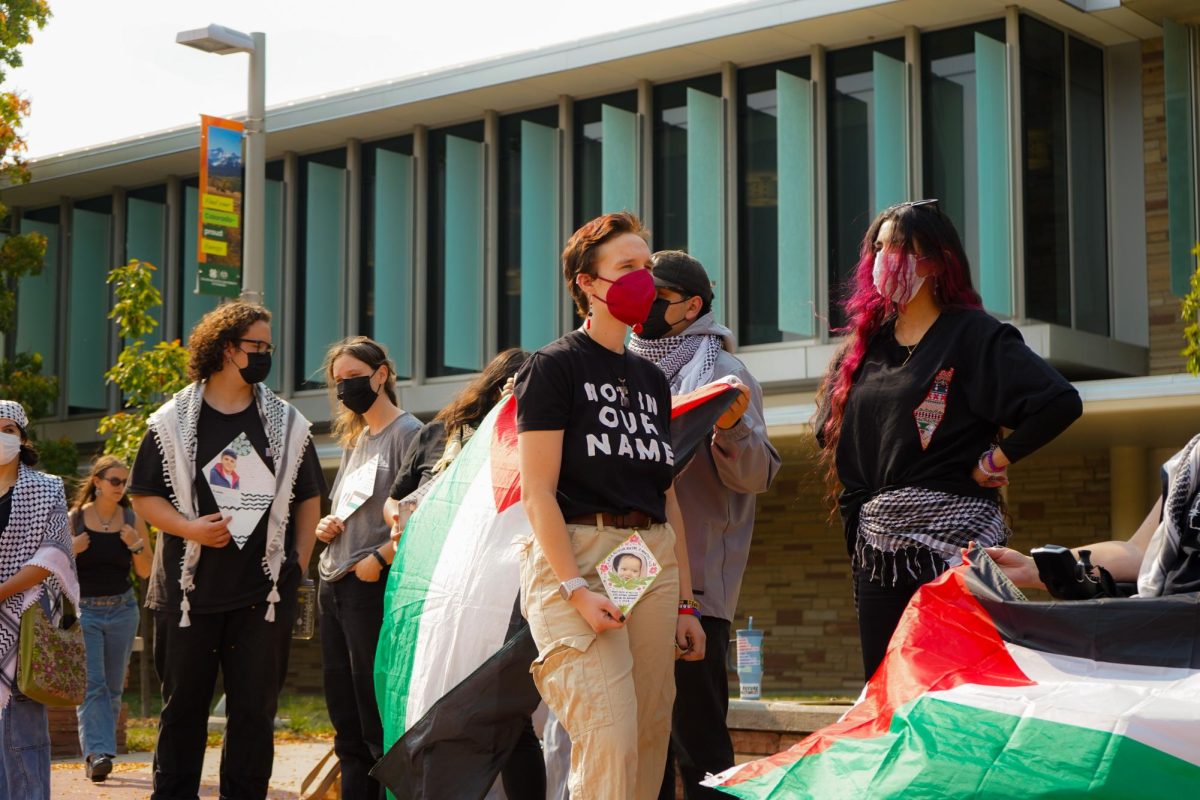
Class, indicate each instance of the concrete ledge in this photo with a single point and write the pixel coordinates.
(781, 716)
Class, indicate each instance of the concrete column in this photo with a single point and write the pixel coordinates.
(1129, 499)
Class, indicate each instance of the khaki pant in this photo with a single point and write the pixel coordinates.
(613, 691)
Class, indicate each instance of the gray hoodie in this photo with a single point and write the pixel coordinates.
(716, 490)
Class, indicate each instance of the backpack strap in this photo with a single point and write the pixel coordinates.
(76, 518)
(130, 517)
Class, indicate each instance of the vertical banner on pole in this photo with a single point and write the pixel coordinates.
(219, 239)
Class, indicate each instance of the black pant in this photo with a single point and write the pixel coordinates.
(252, 656)
(699, 738)
(879, 610)
(351, 616)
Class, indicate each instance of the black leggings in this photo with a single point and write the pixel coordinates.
(881, 603)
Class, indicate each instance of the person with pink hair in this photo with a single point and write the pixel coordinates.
(910, 414)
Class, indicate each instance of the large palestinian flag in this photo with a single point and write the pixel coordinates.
(450, 600)
(985, 694)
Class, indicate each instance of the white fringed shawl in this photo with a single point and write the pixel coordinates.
(174, 427)
(36, 535)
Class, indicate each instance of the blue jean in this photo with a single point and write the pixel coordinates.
(108, 632)
(25, 761)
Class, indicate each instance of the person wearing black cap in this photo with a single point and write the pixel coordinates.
(716, 493)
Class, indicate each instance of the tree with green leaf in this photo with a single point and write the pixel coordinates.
(1190, 312)
(145, 376)
(21, 378)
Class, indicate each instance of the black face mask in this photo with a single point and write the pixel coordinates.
(258, 366)
(656, 325)
(356, 394)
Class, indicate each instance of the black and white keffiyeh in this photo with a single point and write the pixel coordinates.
(903, 525)
(1182, 476)
(687, 359)
(174, 426)
(36, 535)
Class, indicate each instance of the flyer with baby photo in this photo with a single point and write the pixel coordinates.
(243, 486)
(627, 572)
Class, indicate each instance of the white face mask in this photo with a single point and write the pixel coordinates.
(904, 283)
(10, 447)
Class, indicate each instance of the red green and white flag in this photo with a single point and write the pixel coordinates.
(985, 694)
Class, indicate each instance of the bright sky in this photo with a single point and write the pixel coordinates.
(103, 70)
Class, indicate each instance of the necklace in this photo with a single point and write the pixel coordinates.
(621, 387)
(106, 522)
(910, 352)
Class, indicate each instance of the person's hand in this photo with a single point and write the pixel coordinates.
(597, 610)
(990, 482)
(129, 537)
(399, 520)
(81, 543)
(368, 569)
(735, 411)
(509, 385)
(210, 531)
(1020, 568)
(330, 528)
(689, 638)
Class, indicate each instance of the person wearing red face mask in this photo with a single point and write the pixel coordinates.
(594, 445)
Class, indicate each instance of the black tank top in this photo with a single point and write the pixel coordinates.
(104, 568)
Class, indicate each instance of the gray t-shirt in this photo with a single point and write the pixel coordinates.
(365, 528)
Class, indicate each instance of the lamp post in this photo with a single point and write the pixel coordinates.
(223, 41)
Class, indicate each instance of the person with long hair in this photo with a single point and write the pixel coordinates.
(374, 432)
(229, 562)
(444, 436)
(110, 543)
(911, 410)
(594, 448)
(36, 566)
(432, 451)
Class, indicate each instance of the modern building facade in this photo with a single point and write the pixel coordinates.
(428, 212)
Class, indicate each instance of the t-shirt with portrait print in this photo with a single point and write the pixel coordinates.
(615, 413)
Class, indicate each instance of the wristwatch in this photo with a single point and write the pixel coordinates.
(567, 588)
(140, 547)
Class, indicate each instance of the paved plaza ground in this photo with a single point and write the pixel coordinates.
(130, 778)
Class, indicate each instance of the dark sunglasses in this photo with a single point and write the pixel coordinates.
(257, 346)
(115, 482)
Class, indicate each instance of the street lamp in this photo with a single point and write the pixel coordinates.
(223, 41)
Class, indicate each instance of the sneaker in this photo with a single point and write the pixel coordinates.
(98, 767)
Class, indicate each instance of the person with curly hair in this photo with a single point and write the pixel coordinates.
(224, 584)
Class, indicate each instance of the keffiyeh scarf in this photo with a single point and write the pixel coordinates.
(687, 359)
(174, 427)
(36, 535)
(1182, 478)
(904, 528)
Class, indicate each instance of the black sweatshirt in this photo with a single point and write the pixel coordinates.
(925, 423)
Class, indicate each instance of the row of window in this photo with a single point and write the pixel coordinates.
(965, 106)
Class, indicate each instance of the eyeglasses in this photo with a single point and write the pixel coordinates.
(115, 482)
(257, 346)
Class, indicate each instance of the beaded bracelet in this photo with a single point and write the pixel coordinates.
(987, 464)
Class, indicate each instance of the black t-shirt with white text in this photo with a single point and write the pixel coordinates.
(228, 577)
(615, 413)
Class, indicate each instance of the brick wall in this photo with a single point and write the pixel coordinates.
(797, 583)
(1166, 328)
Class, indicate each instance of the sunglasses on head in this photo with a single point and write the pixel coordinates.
(115, 482)
(931, 202)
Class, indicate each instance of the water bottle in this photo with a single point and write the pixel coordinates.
(306, 610)
(749, 661)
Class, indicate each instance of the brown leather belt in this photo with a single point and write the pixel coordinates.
(631, 519)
